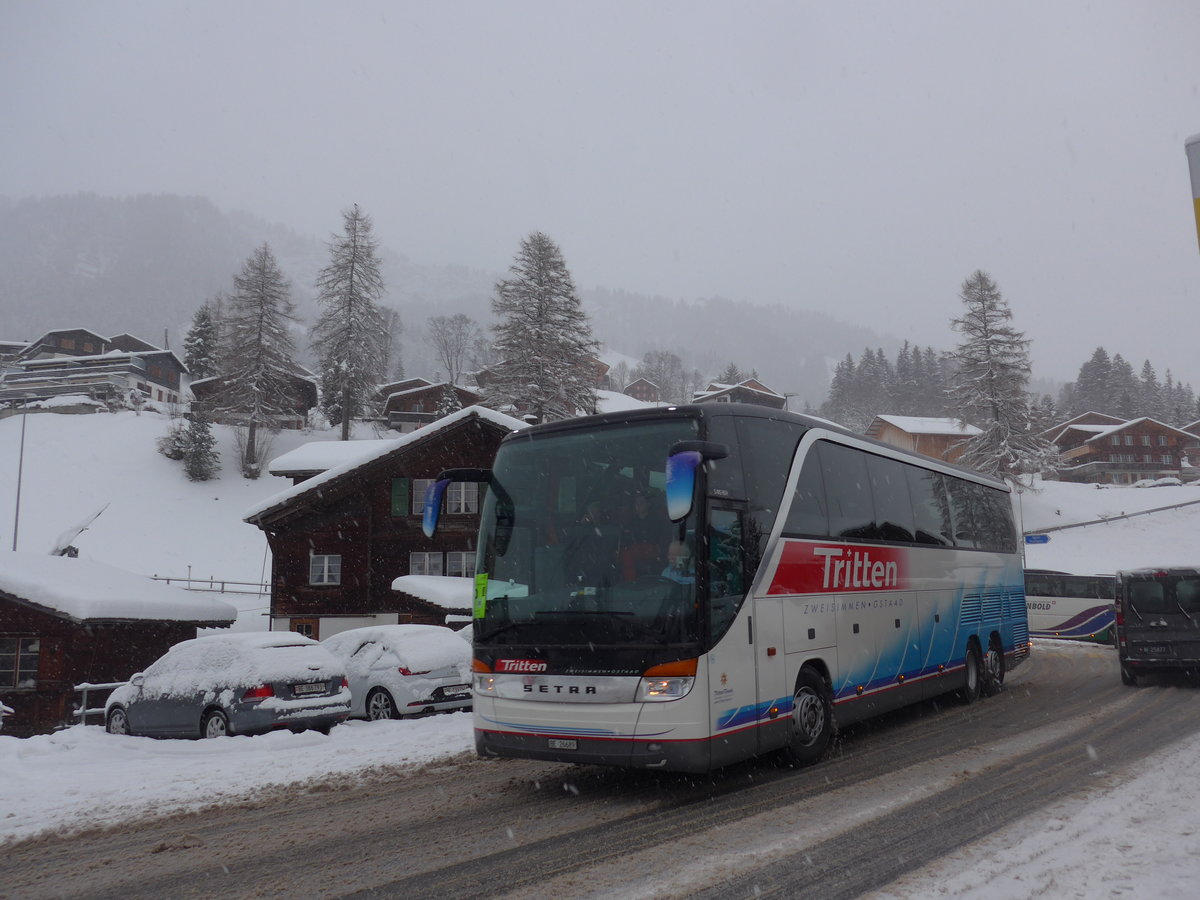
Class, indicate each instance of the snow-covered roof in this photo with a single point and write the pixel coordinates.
(929, 425)
(1112, 429)
(425, 388)
(446, 591)
(480, 412)
(88, 591)
(318, 456)
(615, 401)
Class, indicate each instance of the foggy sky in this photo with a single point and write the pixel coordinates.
(861, 158)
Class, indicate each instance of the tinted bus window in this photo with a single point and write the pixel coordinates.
(808, 515)
(848, 492)
(766, 450)
(931, 507)
(889, 489)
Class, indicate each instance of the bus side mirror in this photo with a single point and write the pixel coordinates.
(437, 490)
(433, 506)
(684, 459)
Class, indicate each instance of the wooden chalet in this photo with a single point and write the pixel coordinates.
(407, 409)
(76, 361)
(1122, 453)
(931, 435)
(68, 621)
(643, 389)
(749, 391)
(340, 538)
(302, 396)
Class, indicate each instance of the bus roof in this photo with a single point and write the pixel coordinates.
(746, 410)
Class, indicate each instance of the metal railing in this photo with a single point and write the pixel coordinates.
(217, 585)
(82, 711)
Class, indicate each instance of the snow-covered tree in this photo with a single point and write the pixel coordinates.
(543, 337)
(201, 461)
(202, 344)
(393, 327)
(448, 402)
(452, 338)
(1093, 385)
(989, 390)
(731, 374)
(666, 370)
(257, 387)
(350, 337)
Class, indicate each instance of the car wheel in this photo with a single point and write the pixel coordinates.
(993, 669)
(969, 692)
(380, 705)
(810, 727)
(118, 722)
(214, 724)
(1127, 677)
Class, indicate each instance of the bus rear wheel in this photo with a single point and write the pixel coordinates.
(810, 727)
(969, 692)
(993, 669)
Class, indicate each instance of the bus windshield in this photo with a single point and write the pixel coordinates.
(576, 546)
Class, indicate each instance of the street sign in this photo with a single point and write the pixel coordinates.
(1037, 538)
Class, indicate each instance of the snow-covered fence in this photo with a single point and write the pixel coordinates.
(82, 711)
(221, 586)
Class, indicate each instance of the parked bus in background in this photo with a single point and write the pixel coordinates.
(1076, 607)
(682, 588)
(1158, 621)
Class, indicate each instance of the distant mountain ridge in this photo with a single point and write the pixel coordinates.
(144, 264)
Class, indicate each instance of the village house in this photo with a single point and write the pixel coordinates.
(749, 391)
(408, 405)
(934, 436)
(340, 538)
(75, 362)
(1097, 451)
(643, 389)
(68, 621)
(302, 397)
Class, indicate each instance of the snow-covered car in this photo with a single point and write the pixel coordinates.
(245, 683)
(404, 670)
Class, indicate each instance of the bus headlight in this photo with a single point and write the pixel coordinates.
(665, 688)
(485, 683)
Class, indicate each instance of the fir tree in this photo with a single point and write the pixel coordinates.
(201, 461)
(543, 337)
(1093, 386)
(448, 402)
(350, 337)
(257, 386)
(201, 345)
(1150, 399)
(1123, 389)
(989, 391)
(731, 374)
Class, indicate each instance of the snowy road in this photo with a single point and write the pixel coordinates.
(897, 794)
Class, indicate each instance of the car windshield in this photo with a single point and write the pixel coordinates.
(577, 546)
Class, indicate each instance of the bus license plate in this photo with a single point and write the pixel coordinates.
(561, 744)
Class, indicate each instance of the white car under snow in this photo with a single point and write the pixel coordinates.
(404, 670)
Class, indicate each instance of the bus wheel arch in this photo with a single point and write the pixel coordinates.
(810, 726)
(992, 672)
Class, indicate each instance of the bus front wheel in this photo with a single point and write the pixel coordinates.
(811, 725)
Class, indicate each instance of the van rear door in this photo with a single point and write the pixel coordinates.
(1161, 618)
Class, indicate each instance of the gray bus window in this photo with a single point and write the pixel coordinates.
(931, 507)
(962, 508)
(1187, 593)
(808, 515)
(766, 447)
(848, 492)
(726, 579)
(998, 533)
(889, 489)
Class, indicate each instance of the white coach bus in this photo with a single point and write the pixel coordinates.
(685, 587)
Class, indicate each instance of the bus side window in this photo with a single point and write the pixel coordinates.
(893, 509)
(848, 492)
(962, 507)
(808, 515)
(931, 507)
(726, 569)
